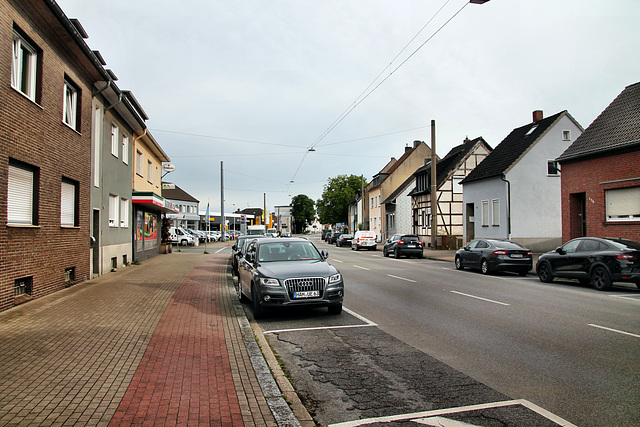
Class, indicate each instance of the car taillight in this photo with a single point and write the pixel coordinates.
(421, 243)
(500, 253)
(530, 253)
(401, 242)
(625, 256)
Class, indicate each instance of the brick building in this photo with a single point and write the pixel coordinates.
(601, 174)
(45, 139)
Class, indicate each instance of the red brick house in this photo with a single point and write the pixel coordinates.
(45, 150)
(601, 174)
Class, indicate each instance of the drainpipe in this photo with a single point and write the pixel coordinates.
(120, 97)
(94, 94)
(508, 206)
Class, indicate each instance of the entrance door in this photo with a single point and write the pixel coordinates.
(471, 228)
(578, 214)
(95, 250)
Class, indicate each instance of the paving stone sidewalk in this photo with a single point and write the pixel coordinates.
(154, 344)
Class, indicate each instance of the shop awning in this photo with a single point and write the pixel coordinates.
(152, 201)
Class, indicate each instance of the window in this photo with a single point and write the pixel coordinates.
(69, 203)
(139, 162)
(24, 66)
(23, 286)
(125, 149)
(457, 187)
(553, 168)
(124, 213)
(114, 204)
(70, 109)
(149, 171)
(372, 202)
(485, 213)
(114, 140)
(566, 135)
(70, 275)
(495, 210)
(623, 204)
(22, 199)
(533, 128)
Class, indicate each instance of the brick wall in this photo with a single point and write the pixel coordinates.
(35, 134)
(593, 177)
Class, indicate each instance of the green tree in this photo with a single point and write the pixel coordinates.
(302, 211)
(333, 206)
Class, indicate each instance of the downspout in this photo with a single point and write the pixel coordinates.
(508, 206)
(120, 98)
(94, 94)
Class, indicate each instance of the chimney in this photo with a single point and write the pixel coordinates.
(416, 143)
(407, 148)
(537, 116)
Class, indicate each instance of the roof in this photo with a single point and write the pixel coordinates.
(178, 194)
(617, 127)
(392, 166)
(445, 166)
(399, 190)
(511, 149)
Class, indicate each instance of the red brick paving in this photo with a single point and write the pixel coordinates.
(184, 377)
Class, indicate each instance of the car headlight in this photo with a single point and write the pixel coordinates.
(269, 282)
(335, 278)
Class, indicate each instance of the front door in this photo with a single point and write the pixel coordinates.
(471, 228)
(95, 249)
(578, 215)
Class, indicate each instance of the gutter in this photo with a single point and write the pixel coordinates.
(508, 205)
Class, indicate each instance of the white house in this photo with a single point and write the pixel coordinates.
(515, 192)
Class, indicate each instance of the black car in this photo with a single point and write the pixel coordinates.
(599, 261)
(344, 240)
(238, 249)
(403, 244)
(331, 238)
(277, 273)
(325, 233)
(489, 255)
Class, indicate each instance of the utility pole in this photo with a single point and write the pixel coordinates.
(222, 200)
(434, 188)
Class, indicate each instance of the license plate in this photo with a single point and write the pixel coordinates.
(516, 255)
(411, 246)
(306, 294)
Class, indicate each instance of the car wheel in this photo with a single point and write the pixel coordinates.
(484, 266)
(183, 242)
(459, 264)
(258, 312)
(396, 254)
(335, 308)
(544, 273)
(601, 279)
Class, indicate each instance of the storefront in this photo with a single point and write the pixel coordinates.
(148, 212)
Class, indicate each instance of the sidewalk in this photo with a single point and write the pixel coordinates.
(161, 343)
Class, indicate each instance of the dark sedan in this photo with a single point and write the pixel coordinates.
(333, 236)
(277, 273)
(403, 244)
(598, 261)
(344, 240)
(490, 255)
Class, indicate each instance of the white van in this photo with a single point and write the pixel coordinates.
(364, 240)
(178, 236)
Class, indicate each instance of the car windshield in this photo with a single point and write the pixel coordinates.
(288, 251)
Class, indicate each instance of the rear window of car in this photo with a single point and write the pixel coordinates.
(409, 238)
(625, 244)
(366, 234)
(508, 245)
(346, 236)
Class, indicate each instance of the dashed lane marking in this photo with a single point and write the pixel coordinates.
(361, 268)
(614, 330)
(480, 298)
(401, 278)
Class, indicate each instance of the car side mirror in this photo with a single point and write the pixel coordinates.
(560, 250)
(466, 248)
(325, 254)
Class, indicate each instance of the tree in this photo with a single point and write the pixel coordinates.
(302, 211)
(333, 206)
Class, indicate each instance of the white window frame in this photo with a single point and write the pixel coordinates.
(115, 131)
(124, 213)
(139, 160)
(622, 204)
(114, 206)
(485, 213)
(24, 67)
(125, 149)
(21, 197)
(566, 135)
(556, 166)
(68, 203)
(70, 105)
(495, 212)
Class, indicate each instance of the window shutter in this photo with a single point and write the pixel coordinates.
(67, 204)
(20, 196)
(623, 202)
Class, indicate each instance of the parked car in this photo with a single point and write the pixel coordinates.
(325, 233)
(344, 240)
(331, 239)
(599, 261)
(180, 236)
(285, 234)
(278, 273)
(403, 244)
(490, 255)
(213, 237)
(239, 247)
(364, 239)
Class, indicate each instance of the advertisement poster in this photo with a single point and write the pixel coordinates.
(150, 230)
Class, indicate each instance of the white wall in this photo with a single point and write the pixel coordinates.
(487, 189)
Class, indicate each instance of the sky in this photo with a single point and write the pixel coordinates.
(249, 87)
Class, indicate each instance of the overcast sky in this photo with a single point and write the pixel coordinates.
(255, 84)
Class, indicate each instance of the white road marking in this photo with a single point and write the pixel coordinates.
(220, 250)
(401, 278)
(337, 260)
(480, 298)
(614, 330)
(362, 268)
(427, 414)
(364, 319)
(368, 323)
(443, 422)
(630, 298)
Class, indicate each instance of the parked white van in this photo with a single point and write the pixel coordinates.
(364, 240)
(179, 236)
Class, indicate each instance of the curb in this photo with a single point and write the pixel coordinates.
(276, 388)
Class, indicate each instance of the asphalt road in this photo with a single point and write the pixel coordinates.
(567, 348)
